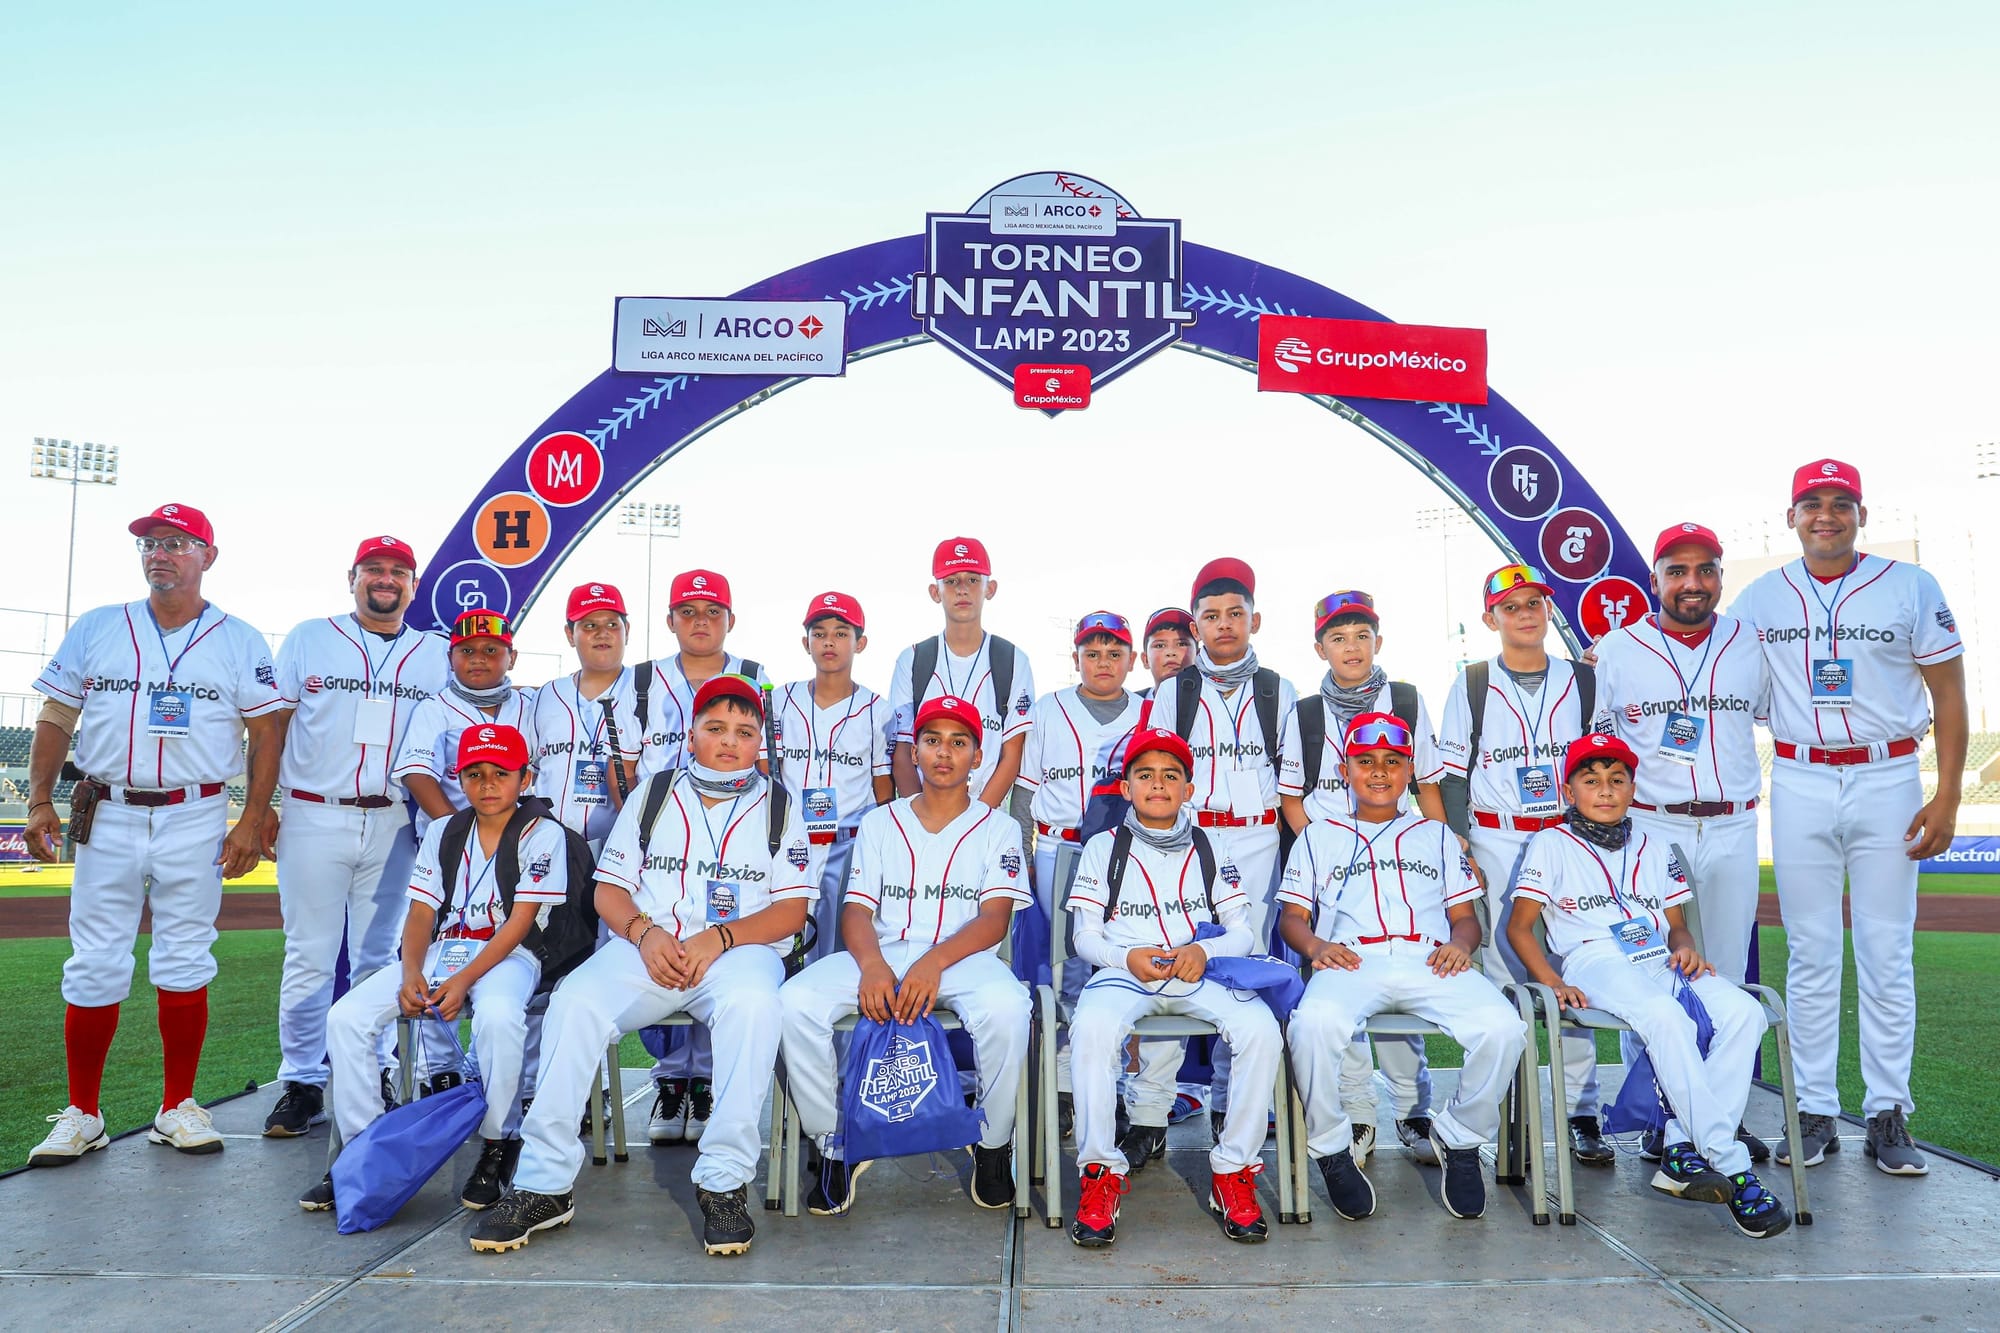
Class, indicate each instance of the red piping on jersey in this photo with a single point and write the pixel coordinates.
(978, 902)
(1402, 884)
(909, 903)
(1082, 760)
(132, 723)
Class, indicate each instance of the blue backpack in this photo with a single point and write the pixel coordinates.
(390, 1160)
(1642, 1104)
(899, 1093)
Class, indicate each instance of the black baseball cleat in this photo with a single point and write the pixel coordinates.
(1463, 1188)
(1686, 1174)
(1066, 1114)
(1756, 1211)
(1233, 1198)
(300, 1107)
(726, 1227)
(389, 1102)
(992, 1175)
(1760, 1151)
(1347, 1189)
(489, 1174)
(319, 1198)
(1587, 1145)
(1143, 1144)
(519, 1215)
(1653, 1145)
(832, 1190)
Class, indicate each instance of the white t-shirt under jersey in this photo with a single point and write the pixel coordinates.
(1711, 694)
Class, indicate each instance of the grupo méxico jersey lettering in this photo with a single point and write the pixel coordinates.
(1161, 899)
(573, 751)
(352, 695)
(1845, 656)
(670, 711)
(1068, 752)
(1688, 713)
(431, 748)
(1371, 881)
(161, 709)
(970, 679)
(1228, 738)
(1329, 798)
(1588, 893)
(834, 754)
(476, 903)
(708, 865)
(925, 886)
(1522, 739)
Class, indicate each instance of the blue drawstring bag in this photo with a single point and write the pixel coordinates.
(1274, 981)
(1031, 944)
(389, 1161)
(899, 1093)
(1641, 1104)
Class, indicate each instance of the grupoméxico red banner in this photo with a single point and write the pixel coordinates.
(1366, 358)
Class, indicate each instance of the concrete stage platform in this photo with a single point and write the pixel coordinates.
(137, 1236)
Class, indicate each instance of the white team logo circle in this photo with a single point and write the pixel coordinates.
(1829, 469)
(700, 581)
(390, 541)
(175, 509)
(1689, 527)
(960, 551)
(486, 735)
(597, 590)
(829, 600)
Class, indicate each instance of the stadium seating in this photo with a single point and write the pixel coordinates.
(14, 743)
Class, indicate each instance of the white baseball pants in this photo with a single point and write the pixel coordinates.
(612, 994)
(1254, 853)
(1393, 977)
(1830, 824)
(166, 854)
(1723, 866)
(983, 991)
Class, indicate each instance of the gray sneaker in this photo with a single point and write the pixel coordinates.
(1889, 1144)
(1818, 1136)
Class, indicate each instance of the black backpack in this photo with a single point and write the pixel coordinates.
(999, 660)
(567, 931)
(642, 687)
(1312, 726)
(1121, 852)
(1187, 698)
(1479, 676)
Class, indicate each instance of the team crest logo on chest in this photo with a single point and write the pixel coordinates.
(797, 855)
(1010, 861)
(1635, 713)
(1230, 874)
(538, 869)
(896, 1083)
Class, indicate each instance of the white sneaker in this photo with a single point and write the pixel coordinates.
(74, 1135)
(185, 1128)
(1364, 1143)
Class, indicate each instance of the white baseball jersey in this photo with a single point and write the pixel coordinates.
(1688, 713)
(1588, 892)
(1161, 899)
(1371, 881)
(431, 747)
(1844, 656)
(924, 886)
(352, 694)
(708, 865)
(970, 679)
(670, 712)
(161, 709)
(1328, 799)
(834, 754)
(573, 750)
(1522, 740)
(476, 903)
(1227, 738)
(1068, 753)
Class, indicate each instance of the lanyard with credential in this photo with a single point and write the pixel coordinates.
(173, 659)
(971, 674)
(1831, 610)
(472, 884)
(1624, 857)
(1674, 664)
(374, 667)
(1535, 727)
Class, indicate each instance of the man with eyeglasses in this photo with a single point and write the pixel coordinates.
(1507, 724)
(350, 684)
(159, 694)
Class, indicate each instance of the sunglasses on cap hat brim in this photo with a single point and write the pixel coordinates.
(1104, 622)
(1348, 602)
(1380, 736)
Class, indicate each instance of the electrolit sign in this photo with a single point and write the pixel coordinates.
(1101, 290)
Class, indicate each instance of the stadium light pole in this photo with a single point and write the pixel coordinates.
(1445, 520)
(79, 465)
(640, 518)
(1985, 467)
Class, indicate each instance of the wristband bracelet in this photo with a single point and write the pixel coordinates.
(637, 917)
(728, 939)
(651, 926)
(38, 804)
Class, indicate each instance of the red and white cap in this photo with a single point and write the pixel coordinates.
(1597, 746)
(392, 546)
(1684, 534)
(1223, 567)
(700, 585)
(960, 555)
(587, 597)
(1378, 731)
(185, 517)
(950, 708)
(477, 624)
(1826, 472)
(491, 743)
(1170, 617)
(1158, 738)
(839, 605)
(728, 687)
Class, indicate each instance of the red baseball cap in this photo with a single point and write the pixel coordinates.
(1509, 577)
(1597, 746)
(493, 743)
(477, 624)
(1378, 731)
(1224, 567)
(1826, 472)
(1158, 738)
(950, 708)
(959, 555)
(1170, 617)
(587, 597)
(1348, 602)
(185, 517)
(839, 605)
(700, 585)
(729, 687)
(373, 546)
(1103, 622)
(1682, 534)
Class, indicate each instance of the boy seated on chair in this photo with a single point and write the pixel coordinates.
(704, 901)
(1140, 894)
(935, 883)
(463, 943)
(1381, 905)
(1610, 898)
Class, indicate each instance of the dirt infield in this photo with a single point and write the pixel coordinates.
(1965, 913)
